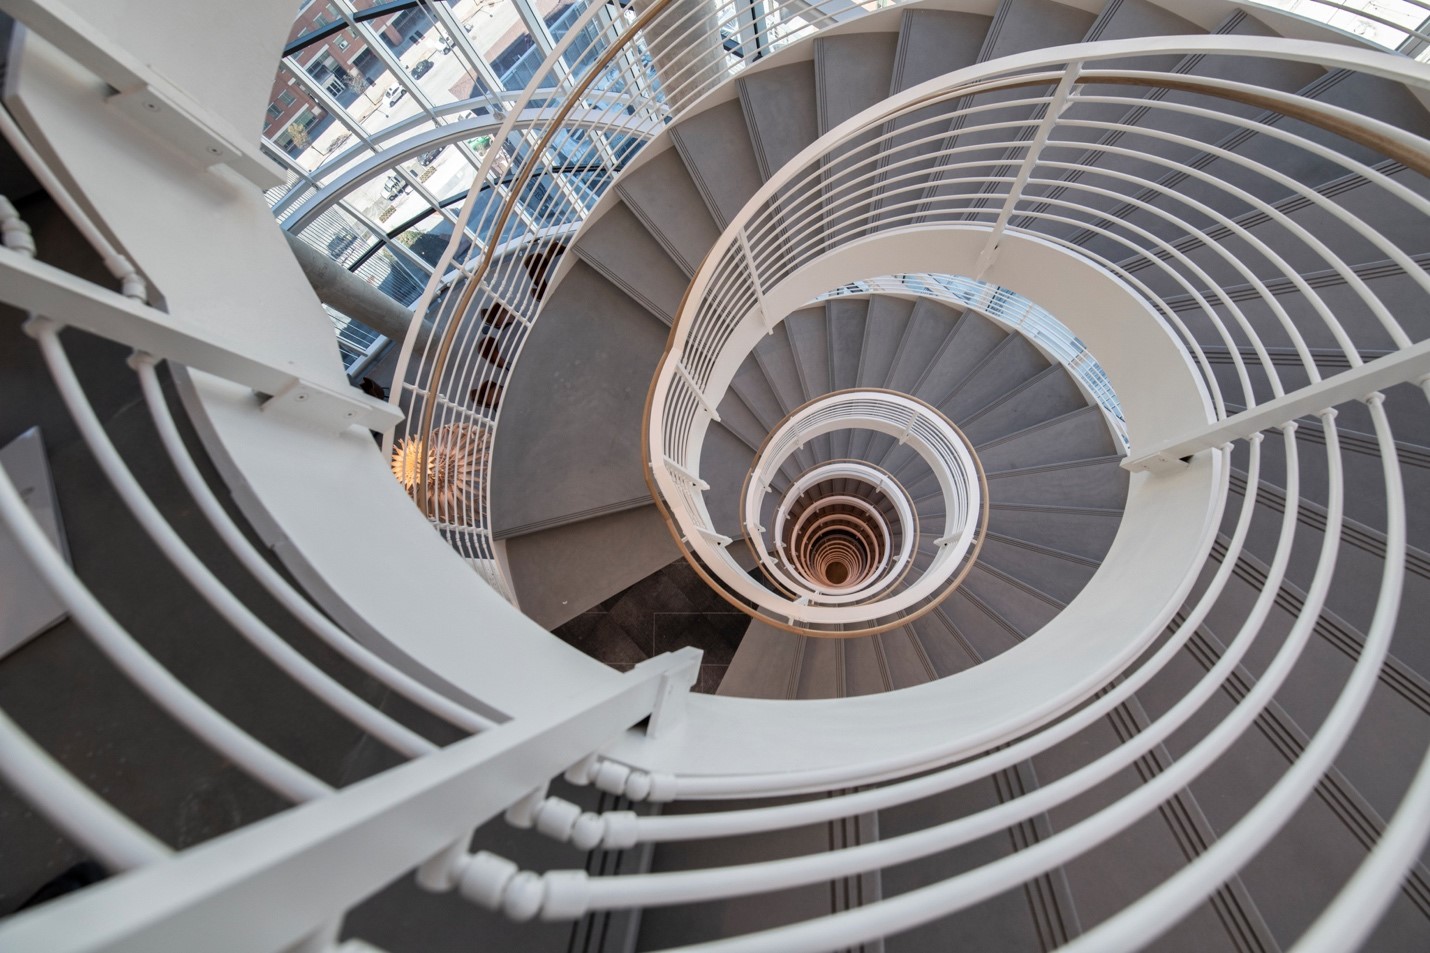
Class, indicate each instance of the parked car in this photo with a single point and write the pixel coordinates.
(395, 186)
(394, 93)
(420, 70)
(430, 156)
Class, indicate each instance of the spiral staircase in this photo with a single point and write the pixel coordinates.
(1044, 381)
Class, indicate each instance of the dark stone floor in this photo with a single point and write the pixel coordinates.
(665, 611)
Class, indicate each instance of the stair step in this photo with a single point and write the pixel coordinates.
(737, 417)
(808, 334)
(853, 72)
(764, 665)
(928, 327)
(1042, 399)
(560, 572)
(945, 647)
(1076, 435)
(1098, 482)
(715, 146)
(1285, 76)
(904, 657)
(1059, 575)
(864, 670)
(1013, 603)
(1018, 27)
(931, 43)
(725, 459)
(974, 338)
(820, 669)
(621, 248)
(573, 440)
(782, 111)
(844, 319)
(1082, 532)
(1011, 364)
(986, 633)
(663, 196)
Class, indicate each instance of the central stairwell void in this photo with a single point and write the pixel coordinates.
(1044, 384)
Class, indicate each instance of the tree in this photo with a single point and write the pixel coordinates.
(299, 134)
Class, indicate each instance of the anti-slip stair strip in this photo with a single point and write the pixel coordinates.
(1336, 631)
(1255, 217)
(1194, 833)
(1013, 435)
(1286, 736)
(1043, 550)
(1101, 461)
(1230, 143)
(1313, 515)
(1279, 287)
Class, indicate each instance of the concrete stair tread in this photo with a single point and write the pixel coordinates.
(1069, 436)
(572, 443)
(715, 146)
(621, 248)
(663, 196)
(1038, 401)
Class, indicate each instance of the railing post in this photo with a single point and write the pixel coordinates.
(1061, 97)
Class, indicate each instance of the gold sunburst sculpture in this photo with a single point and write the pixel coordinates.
(455, 460)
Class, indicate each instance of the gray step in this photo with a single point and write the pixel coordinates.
(1287, 77)
(1042, 398)
(776, 359)
(737, 417)
(782, 112)
(764, 665)
(560, 572)
(715, 147)
(1018, 26)
(845, 319)
(944, 646)
(1083, 531)
(1368, 96)
(1385, 212)
(930, 324)
(1059, 575)
(974, 338)
(1016, 604)
(664, 197)
(776, 362)
(853, 72)
(1011, 364)
(931, 43)
(1396, 290)
(725, 459)
(1001, 923)
(1390, 723)
(904, 658)
(1118, 20)
(864, 670)
(1076, 435)
(573, 444)
(821, 667)
(808, 333)
(622, 249)
(1099, 482)
(983, 630)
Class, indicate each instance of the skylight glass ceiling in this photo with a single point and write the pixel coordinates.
(382, 113)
